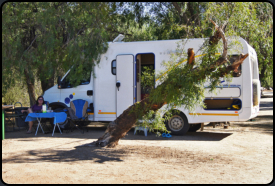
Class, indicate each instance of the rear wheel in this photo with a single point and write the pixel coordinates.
(178, 124)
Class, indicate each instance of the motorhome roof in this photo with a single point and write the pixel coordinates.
(167, 40)
(152, 41)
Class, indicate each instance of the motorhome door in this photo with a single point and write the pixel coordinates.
(124, 83)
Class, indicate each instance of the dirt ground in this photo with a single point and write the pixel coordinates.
(243, 153)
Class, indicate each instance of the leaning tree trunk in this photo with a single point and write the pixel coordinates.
(118, 129)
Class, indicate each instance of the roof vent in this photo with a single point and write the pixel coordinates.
(119, 38)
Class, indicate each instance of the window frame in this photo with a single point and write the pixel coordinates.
(234, 75)
(223, 109)
(64, 79)
(112, 68)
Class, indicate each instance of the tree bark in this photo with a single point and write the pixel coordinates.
(182, 15)
(28, 43)
(191, 57)
(46, 84)
(118, 129)
(30, 85)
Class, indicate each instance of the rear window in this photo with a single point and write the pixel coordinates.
(239, 71)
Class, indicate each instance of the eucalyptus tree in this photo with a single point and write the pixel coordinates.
(43, 39)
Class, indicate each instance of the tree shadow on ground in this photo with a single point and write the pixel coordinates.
(93, 133)
(189, 136)
(254, 127)
(79, 153)
(96, 132)
(261, 124)
(93, 154)
(262, 117)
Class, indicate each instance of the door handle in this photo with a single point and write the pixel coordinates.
(118, 85)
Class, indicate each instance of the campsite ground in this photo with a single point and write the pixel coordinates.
(243, 153)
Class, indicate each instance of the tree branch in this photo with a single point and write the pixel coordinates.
(234, 66)
(191, 57)
(29, 46)
(181, 14)
(82, 29)
(217, 36)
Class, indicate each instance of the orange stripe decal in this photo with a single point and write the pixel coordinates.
(106, 112)
(213, 114)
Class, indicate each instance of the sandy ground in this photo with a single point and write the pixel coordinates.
(243, 153)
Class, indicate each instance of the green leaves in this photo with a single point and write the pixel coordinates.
(56, 35)
(73, 33)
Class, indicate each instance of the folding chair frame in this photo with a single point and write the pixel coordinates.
(78, 122)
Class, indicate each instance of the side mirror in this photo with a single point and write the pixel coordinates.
(59, 81)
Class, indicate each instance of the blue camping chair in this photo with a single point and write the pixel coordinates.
(80, 107)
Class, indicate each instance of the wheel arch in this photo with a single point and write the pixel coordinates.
(178, 111)
(54, 106)
(57, 105)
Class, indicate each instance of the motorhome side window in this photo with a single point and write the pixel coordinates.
(113, 67)
(238, 73)
(67, 84)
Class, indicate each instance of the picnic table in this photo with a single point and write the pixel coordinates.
(58, 118)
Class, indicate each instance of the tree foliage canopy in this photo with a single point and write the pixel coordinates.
(252, 21)
(42, 40)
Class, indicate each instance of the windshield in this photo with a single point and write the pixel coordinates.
(66, 83)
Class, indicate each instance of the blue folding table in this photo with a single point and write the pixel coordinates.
(58, 118)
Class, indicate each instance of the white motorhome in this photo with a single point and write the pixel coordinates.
(117, 85)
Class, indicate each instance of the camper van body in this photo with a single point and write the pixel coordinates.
(116, 85)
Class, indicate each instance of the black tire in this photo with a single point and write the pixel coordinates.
(177, 124)
(194, 127)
